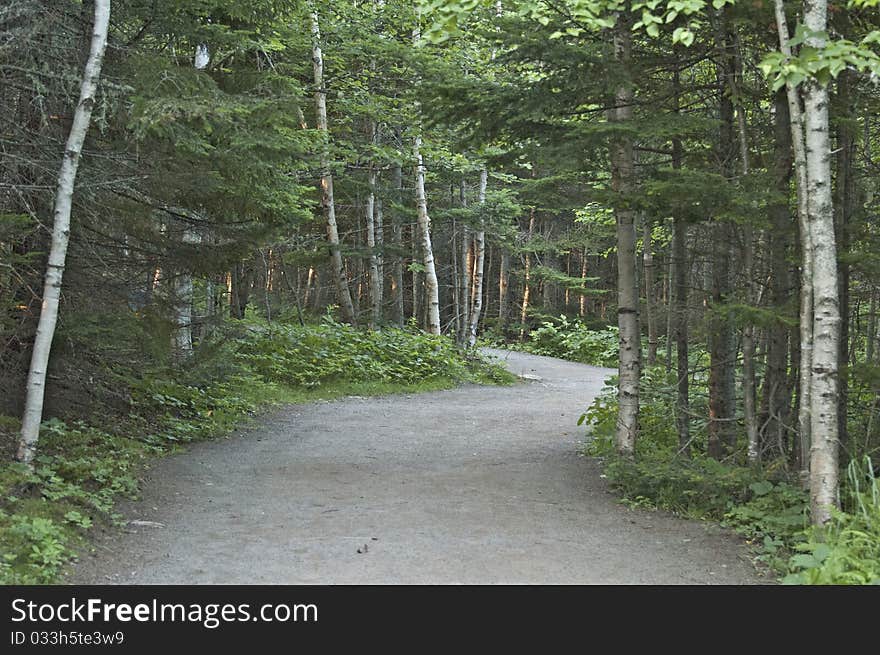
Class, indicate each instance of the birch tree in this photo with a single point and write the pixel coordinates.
(36, 380)
(826, 316)
(622, 183)
(479, 259)
(432, 288)
(375, 277)
(328, 203)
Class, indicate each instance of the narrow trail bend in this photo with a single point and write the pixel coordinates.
(471, 485)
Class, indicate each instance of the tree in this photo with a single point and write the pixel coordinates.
(36, 383)
(327, 200)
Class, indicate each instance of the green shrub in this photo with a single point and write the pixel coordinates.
(847, 550)
(572, 340)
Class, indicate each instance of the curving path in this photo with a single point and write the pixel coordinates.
(472, 485)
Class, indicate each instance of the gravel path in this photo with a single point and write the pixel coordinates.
(472, 485)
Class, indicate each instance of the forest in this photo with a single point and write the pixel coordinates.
(211, 206)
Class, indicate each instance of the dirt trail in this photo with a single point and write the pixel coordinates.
(471, 485)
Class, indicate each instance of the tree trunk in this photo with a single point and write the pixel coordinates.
(464, 275)
(750, 414)
(826, 309)
(432, 290)
(503, 286)
(480, 246)
(375, 279)
(527, 275)
(872, 328)
(796, 116)
(843, 213)
(680, 310)
(582, 299)
(36, 380)
(722, 351)
(343, 295)
(623, 185)
(776, 392)
(650, 308)
(680, 302)
(397, 239)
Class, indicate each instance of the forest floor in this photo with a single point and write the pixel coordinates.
(477, 484)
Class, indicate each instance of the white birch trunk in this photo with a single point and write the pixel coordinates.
(36, 380)
(375, 280)
(432, 288)
(480, 258)
(622, 178)
(327, 201)
(826, 310)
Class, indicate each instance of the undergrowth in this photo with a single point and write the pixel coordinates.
(81, 469)
(765, 505)
(566, 338)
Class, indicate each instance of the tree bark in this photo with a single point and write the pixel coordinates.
(623, 185)
(480, 246)
(397, 239)
(432, 290)
(843, 213)
(650, 308)
(826, 308)
(464, 275)
(527, 276)
(776, 392)
(36, 380)
(375, 279)
(680, 302)
(798, 143)
(343, 295)
(722, 351)
(503, 286)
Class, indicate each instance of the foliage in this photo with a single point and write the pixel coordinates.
(301, 356)
(44, 515)
(761, 505)
(847, 550)
(571, 339)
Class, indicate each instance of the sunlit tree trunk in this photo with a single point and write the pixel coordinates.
(527, 277)
(343, 295)
(36, 380)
